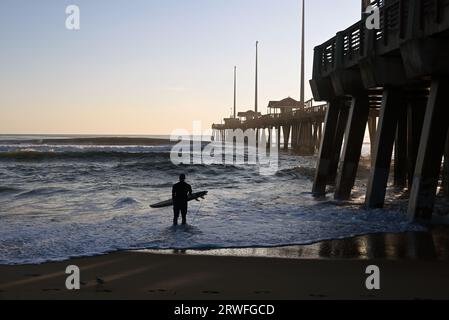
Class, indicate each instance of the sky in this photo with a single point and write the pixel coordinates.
(152, 66)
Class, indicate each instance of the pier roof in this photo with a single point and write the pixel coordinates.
(249, 113)
(287, 103)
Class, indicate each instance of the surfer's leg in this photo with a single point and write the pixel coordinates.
(184, 215)
(176, 211)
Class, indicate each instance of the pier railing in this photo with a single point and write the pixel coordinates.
(273, 120)
(400, 20)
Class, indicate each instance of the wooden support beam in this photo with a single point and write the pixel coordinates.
(320, 136)
(307, 137)
(372, 128)
(303, 138)
(279, 137)
(257, 137)
(310, 138)
(270, 132)
(294, 128)
(338, 141)
(327, 147)
(431, 148)
(286, 129)
(302, 143)
(400, 149)
(415, 118)
(393, 104)
(295, 137)
(352, 149)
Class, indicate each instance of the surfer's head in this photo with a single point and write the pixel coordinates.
(182, 177)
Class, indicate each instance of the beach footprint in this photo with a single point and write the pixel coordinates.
(211, 292)
(262, 292)
(162, 291)
(33, 275)
(104, 290)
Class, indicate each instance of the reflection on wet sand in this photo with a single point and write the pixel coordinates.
(432, 245)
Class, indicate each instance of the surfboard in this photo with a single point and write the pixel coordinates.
(169, 203)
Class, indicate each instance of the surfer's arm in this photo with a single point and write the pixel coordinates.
(173, 193)
(190, 190)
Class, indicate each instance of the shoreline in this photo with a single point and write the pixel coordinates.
(407, 246)
(410, 245)
(414, 265)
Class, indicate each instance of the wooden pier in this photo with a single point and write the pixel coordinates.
(403, 70)
(297, 127)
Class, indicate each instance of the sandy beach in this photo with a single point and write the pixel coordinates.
(411, 268)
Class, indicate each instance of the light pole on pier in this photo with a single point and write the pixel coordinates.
(301, 99)
(235, 92)
(256, 107)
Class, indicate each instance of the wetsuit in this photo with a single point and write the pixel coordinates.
(180, 193)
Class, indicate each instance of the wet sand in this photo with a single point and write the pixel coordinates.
(413, 266)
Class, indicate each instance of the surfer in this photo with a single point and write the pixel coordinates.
(180, 194)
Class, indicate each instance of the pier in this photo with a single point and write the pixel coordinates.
(402, 70)
(298, 128)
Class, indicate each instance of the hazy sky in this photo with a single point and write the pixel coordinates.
(151, 66)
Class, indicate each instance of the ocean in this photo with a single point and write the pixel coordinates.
(68, 196)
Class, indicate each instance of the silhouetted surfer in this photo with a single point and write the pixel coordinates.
(180, 193)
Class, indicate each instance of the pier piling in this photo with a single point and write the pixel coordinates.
(337, 143)
(286, 129)
(327, 151)
(390, 113)
(354, 136)
(431, 149)
(415, 118)
(400, 146)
